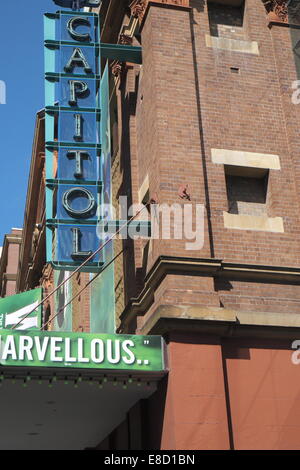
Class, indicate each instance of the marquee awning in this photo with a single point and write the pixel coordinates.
(52, 404)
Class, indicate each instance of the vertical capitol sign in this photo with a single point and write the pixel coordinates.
(77, 139)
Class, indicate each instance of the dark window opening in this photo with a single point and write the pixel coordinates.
(226, 18)
(247, 190)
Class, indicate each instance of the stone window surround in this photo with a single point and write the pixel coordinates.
(249, 160)
(233, 45)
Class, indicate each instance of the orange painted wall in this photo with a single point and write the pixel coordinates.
(195, 414)
(264, 390)
(240, 394)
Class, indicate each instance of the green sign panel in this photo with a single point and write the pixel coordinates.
(14, 309)
(84, 351)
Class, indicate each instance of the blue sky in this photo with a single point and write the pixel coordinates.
(22, 70)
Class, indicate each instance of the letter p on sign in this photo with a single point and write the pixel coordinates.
(2, 92)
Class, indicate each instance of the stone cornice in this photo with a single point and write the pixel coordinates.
(167, 319)
(277, 10)
(140, 7)
(203, 267)
(126, 39)
(14, 239)
(283, 11)
(10, 277)
(138, 10)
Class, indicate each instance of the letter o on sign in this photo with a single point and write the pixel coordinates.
(71, 195)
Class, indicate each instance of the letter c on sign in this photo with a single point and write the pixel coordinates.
(72, 25)
(74, 193)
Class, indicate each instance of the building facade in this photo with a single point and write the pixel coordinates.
(206, 123)
(209, 119)
(9, 262)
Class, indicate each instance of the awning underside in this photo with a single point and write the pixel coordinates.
(53, 409)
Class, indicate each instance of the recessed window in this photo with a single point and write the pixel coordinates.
(247, 190)
(226, 18)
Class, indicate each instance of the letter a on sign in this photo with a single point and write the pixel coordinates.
(78, 58)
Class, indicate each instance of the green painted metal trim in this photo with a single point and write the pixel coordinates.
(77, 13)
(57, 14)
(55, 145)
(91, 268)
(57, 109)
(55, 223)
(48, 244)
(53, 44)
(51, 182)
(123, 53)
(52, 16)
(56, 76)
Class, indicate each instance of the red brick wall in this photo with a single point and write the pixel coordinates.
(237, 111)
(189, 102)
(10, 262)
(13, 258)
(220, 393)
(169, 147)
(283, 42)
(244, 112)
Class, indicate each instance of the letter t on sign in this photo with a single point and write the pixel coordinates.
(79, 156)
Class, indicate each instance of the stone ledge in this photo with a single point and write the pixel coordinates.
(281, 23)
(202, 267)
(246, 159)
(233, 45)
(218, 320)
(256, 223)
(10, 277)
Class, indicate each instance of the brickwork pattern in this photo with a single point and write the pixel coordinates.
(188, 102)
